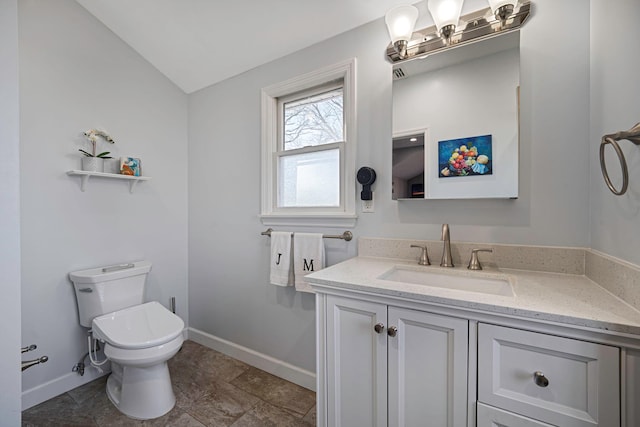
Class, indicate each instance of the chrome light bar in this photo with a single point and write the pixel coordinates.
(480, 25)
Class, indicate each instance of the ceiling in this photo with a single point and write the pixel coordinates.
(197, 43)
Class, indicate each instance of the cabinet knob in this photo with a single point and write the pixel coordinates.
(540, 379)
(379, 327)
(392, 331)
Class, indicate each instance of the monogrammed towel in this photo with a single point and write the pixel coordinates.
(308, 256)
(280, 258)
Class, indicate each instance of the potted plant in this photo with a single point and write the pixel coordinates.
(91, 161)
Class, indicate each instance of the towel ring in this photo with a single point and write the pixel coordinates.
(632, 135)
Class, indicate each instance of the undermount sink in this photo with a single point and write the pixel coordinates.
(486, 283)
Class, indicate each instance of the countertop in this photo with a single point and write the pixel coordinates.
(561, 298)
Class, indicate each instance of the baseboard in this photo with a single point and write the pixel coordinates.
(57, 386)
(262, 361)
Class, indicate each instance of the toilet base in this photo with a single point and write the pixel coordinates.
(141, 393)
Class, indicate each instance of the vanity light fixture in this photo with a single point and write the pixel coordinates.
(401, 20)
(446, 15)
(452, 30)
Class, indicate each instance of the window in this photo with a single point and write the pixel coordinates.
(308, 149)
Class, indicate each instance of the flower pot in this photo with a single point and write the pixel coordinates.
(92, 164)
(111, 166)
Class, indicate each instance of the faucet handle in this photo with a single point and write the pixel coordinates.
(424, 256)
(474, 262)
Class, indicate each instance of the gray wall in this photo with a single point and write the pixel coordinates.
(615, 88)
(228, 259)
(9, 215)
(75, 74)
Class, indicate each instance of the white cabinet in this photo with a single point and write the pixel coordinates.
(427, 369)
(398, 365)
(356, 363)
(557, 380)
(393, 366)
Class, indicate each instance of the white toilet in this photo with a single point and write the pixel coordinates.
(138, 338)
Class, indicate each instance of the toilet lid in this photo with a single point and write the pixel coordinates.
(140, 326)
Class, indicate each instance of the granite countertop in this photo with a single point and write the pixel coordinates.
(563, 298)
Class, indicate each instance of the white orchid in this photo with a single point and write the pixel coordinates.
(92, 135)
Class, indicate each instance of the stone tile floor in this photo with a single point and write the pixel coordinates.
(211, 389)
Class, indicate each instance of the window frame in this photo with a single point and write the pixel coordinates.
(272, 97)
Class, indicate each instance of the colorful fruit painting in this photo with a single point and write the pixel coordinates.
(465, 157)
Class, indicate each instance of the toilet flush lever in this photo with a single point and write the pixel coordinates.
(117, 267)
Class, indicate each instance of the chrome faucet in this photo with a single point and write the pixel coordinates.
(447, 261)
(26, 364)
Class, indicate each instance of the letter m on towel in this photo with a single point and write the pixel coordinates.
(308, 266)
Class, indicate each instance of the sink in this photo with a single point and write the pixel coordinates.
(486, 283)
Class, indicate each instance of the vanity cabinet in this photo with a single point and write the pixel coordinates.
(387, 365)
(391, 366)
(557, 380)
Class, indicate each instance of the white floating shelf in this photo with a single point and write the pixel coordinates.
(85, 175)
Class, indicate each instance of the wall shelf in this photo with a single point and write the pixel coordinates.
(85, 175)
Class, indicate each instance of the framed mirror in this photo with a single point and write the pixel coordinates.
(463, 105)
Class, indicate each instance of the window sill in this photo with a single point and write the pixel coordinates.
(311, 220)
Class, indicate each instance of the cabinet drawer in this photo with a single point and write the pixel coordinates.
(489, 416)
(578, 383)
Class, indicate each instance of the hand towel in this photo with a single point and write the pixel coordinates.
(280, 258)
(308, 256)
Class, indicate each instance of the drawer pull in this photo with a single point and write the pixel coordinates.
(540, 379)
(392, 331)
(379, 327)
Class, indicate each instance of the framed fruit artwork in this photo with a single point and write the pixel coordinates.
(471, 156)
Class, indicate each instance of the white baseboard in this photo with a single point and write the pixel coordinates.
(262, 361)
(57, 386)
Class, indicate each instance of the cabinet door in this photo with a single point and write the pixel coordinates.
(557, 380)
(489, 416)
(356, 363)
(427, 369)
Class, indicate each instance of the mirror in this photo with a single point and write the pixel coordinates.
(461, 107)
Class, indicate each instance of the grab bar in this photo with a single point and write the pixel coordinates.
(632, 135)
(346, 236)
(117, 267)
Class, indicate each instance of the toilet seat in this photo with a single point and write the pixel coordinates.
(145, 326)
(143, 357)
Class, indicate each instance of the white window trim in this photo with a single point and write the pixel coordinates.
(270, 215)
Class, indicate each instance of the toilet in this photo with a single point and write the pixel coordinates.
(138, 338)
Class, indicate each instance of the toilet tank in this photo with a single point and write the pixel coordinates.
(103, 290)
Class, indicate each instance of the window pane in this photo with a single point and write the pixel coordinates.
(314, 120)
(309, 179)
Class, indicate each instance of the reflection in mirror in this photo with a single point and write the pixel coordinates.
(468, 99)
(408, 166)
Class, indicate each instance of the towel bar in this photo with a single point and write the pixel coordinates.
(346, 236)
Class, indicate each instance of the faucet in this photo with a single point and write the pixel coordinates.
(424, 255)
(474, 262)
(26, 364)
(446, 252)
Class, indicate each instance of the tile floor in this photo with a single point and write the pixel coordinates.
(211, 389)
